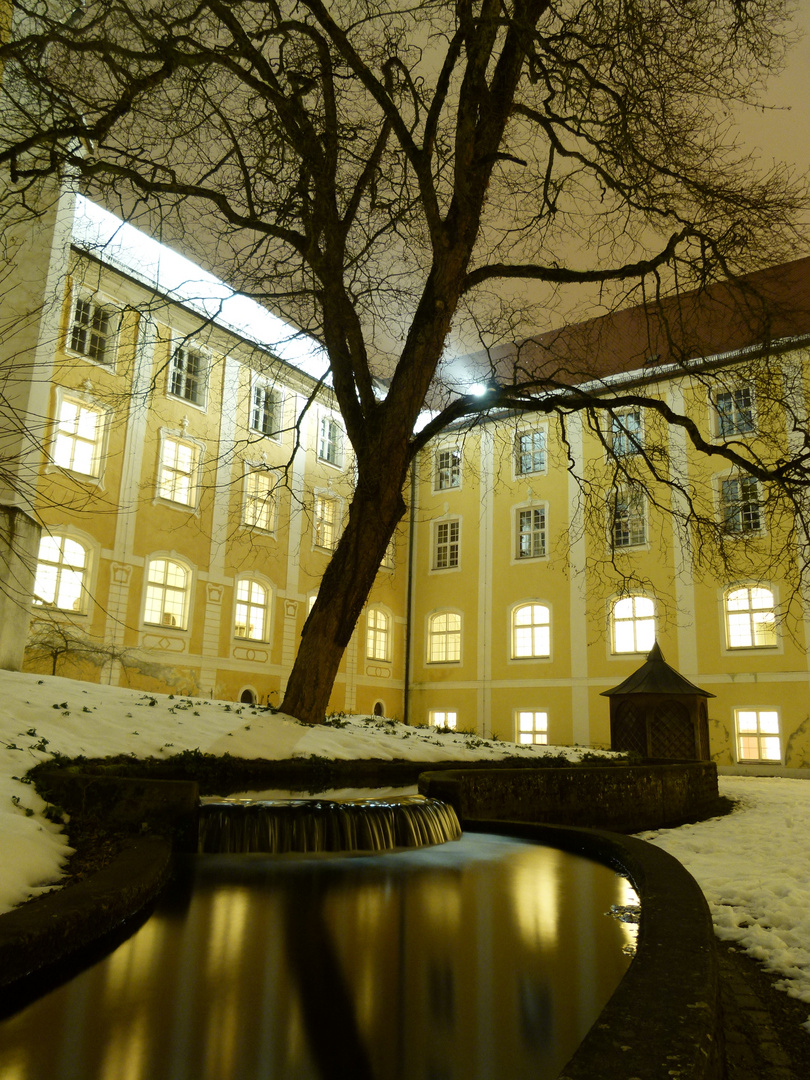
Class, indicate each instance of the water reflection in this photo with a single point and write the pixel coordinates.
(488, 957)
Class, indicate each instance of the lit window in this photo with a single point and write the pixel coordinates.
(531, 631)
(324, 525)
(79, 438)
(448, 469)
(443, 719)
(378, 634)
(750, 618)
(531, 533)
(60, 575)
(250, 614)
(740, 509)
(330, 441)
(167, 591)
(259, 507)
(445, 544)
(625, 433)
(735, 412)
(444, 638)
(530, 453)
(632, 621)
(758, 735)
(629, 524)
(265, 409)
(188, 374)
(93, 329)
(178, 471)
(531, 726)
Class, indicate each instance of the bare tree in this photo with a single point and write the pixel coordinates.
(376, 169)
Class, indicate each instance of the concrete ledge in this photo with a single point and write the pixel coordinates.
(59, 924)
(664, 1019)
(628, 799)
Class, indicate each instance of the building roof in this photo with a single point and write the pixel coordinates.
(655, 676)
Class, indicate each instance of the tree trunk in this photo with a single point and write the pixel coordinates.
(373, 515)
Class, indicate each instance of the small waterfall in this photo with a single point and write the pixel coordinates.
(325, 825)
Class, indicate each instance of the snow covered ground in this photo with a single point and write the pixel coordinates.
(753, 865)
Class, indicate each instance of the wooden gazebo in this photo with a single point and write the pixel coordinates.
(657, 713)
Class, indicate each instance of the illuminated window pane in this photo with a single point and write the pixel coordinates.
(531, 631)
(77, 445)
(446, 545)
(633, 624)
(750, 618)
(166, 602)
(250, 612)
(443, 719)
(59, 581)
(531, 533)
(532, 727)
(444, 638)
(448, 469)
(259, 506)
(324, 524)
(178, 471)
(377, 634)
(758, 737)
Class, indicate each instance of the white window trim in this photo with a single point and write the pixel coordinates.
(528, 430)
(383, 610)
(82, 398)
(260, 467)
(433, 715)
(531, 560)
(267, 383)
(714, 411)
(777, 649)
(522, 660)
(327, 493)
(329, 416)
(613, 653)
(758, 761)
(444, 448)
(613, 547)
(516, 724)
(608, 431)
(428, 638)
(81, 292)
(181, 560)
(191, 507)
(265, 584)
(188, 341)
(91, 547)
(742, 534)
(434, 530)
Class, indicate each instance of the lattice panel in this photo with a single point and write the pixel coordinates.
(673, 734)
(629, 730)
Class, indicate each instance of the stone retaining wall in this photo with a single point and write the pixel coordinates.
(624, 799)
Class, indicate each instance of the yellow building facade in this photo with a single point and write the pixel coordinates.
(191, 484)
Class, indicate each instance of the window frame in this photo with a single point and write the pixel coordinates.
(322, 498)
(517, 713)
(624, 443)
(82, 401)
(186, 345)
(750, 611)
(532, 627)
(194, 474)
(759, 734)
(83, 595)
(266, 387)
(629, 495)
(451, 545)
(519, 454)
(250, 604)
(325, 440)
(269, 501)
(635, 619)
(379, 637)
(97, 301)
(736, 507)
(532, 508)
(447, 477)
(447, 635)
(446, 714)
(168, 620)
(732, 424)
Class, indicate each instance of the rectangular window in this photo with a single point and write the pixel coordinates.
(443, 719)
(265, 410)
(93, 330)
(259, 508)
(531, 726)
(330, 441)
(530, 453)
(388, 557)
(531, 533)
(448, 469)
(188, 374)
(79, 438)
(740, 508)
(625, 433)
(446, 545)
(178, 471)
(629, 526)
(735, 412)
(758, 735)
(324, 526)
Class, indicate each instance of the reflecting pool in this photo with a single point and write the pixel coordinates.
(486, 957)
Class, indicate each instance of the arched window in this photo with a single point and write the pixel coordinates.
(632, 624)
(60, 580)
(531, 631)
(378, 635)
(750, 617)
(251, 611)
(444, 638)
(167, 594)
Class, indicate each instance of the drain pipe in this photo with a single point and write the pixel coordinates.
(409, 600)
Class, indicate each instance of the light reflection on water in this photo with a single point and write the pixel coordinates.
(486, 957)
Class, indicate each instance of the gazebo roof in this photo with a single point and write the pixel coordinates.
(655, 676)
